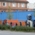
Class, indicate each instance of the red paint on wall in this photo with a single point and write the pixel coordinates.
(0, 22)
(16, 21)
(23, 23)
(13, 21)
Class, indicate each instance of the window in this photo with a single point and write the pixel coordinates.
(4, 4)
(13, 4)
(22, 4)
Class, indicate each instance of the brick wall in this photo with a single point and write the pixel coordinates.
(5, 8)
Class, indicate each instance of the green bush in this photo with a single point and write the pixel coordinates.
(2, 27)
(17, 28)
(27, 29)
(7, 27)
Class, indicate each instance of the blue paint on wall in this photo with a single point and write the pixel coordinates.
(17, 15)
(3, 16)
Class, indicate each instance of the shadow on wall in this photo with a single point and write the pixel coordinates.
(4, 22)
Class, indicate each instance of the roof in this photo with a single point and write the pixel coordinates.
(13, 1)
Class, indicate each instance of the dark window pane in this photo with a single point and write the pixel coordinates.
(3, 4)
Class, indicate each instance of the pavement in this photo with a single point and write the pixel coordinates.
(15, 33)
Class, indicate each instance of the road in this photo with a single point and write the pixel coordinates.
(15, 33)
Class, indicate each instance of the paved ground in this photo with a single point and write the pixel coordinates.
(15, 33)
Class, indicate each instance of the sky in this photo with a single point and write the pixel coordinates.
(31, 1)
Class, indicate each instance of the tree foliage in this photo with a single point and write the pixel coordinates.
(9, 16)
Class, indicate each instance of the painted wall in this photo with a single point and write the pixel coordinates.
(17, 15)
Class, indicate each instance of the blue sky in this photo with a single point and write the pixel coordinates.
(31, 1)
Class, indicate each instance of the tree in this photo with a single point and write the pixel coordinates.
(9, 15)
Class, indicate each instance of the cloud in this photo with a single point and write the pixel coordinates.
(31, 1)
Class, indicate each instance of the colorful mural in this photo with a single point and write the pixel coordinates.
(18, 17)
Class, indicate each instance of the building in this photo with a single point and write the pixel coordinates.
(13, 5)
